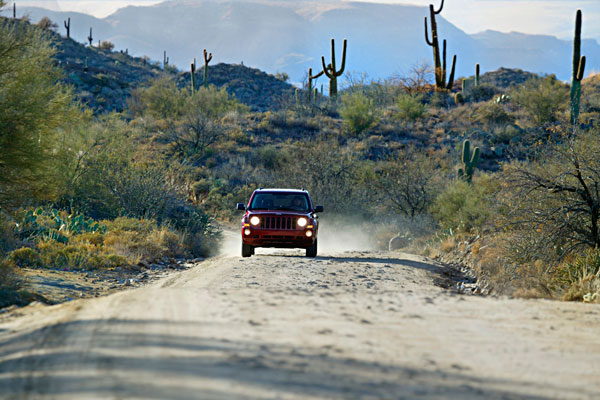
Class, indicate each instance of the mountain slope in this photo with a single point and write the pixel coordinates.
(104, 80)
(292, 36)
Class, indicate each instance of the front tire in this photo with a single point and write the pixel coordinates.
(312, 250)
(247, 250)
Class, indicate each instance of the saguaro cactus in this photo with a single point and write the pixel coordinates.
(578, 71)
(207, 59)
(68, 27)
(469, 161)
(309, 88)
(14, 10)
(165, 59)
(476, 74)
(90, 37)
(193, 75)
(331, 71)
(440, 65)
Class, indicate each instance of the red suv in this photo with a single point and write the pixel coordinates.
(281, 218)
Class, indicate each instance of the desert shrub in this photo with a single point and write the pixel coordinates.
(542, 98)
(106, 45)
(162, 99)
(579, 279)
(26, 257)
(47, 24)
(410, 107)
(8, 239)
(441, 99)
(493, 114)
(464, 207)
(10, 284)
(418, 79)
(358, 112)
(506, 133)
(213, 103)
(270, 157)
(482, 92)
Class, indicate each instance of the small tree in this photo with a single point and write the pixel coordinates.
(557, 198)
(36, 111)
(407, 181)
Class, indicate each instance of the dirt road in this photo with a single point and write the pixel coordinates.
(349, 325)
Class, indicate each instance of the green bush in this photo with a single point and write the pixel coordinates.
(542, 98)
(358, 112)
(26, 257)
(494, 114)
(464, 207)
(161, 100)
(410, 107)
(482, 92)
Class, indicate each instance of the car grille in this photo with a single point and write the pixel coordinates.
(279, 223)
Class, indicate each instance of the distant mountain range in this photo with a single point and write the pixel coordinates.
(290, 37)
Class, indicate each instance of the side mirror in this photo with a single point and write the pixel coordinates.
(241, 207)
(319, 209)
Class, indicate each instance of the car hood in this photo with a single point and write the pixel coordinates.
(279, 212)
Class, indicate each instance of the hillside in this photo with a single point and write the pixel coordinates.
(110, 76)
(384, 39)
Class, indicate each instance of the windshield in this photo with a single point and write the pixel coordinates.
(280, 201)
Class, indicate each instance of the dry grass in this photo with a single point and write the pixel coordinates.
(448, 245)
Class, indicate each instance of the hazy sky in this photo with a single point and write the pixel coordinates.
(554, 17)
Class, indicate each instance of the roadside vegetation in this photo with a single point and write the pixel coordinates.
(83, 190)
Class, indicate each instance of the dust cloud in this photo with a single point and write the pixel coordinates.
(336, 235)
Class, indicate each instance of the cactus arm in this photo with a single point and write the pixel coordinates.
(475, 158)
(207, 57)
(451, 79)
(466, 151)
(440, 9)
(317, 75)
(326, 68)
(577, 42)
(443, 78)
(332, 56)
(452, 70)
(429, 42)
(343, 67)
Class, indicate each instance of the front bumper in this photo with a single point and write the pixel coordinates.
(288, 239)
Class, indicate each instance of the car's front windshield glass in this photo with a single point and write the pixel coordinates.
(280, 201)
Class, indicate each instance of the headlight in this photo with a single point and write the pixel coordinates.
(255, 220)
(302, 222)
